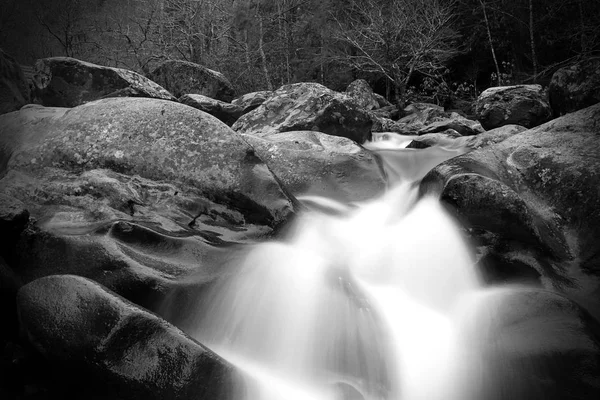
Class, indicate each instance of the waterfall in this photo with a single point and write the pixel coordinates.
(357, 302)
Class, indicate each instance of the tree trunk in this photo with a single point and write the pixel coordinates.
(489, 32)
(263, 56)
(582, 40)
(532, 41)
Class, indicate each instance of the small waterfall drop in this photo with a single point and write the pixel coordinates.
(357, 303)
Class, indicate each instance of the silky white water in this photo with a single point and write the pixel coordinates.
(356, 303)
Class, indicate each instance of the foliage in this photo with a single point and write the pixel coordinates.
(441, 50)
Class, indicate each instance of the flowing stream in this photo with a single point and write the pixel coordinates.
(358, 302)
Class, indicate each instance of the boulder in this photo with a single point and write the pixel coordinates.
(447, 138)
(451, 138)
(383, 102)
(14, 90)
(389, 112)
(184, 77)
(362, 93)
(575, 87)
(133, 193)
(523, 105)
(226, 112)
(68, 82)
(307, 106)
(319, 164)
(424, 118)
(99, 343)
(524, 343)
(532, 201)
(250, 101)
(456, 122)
(416, 117)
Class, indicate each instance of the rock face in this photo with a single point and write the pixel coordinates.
(424, 118)
(68, 82)
(183, 77)
(315, 163)
(524, 343)
(523, 105)
(307, 106)
(109, 345)
(131, 192)
(226, 112)
(531, 203)
(251, 101)
(362, 93)
(575, 87)
(14, 90)
(451, 138)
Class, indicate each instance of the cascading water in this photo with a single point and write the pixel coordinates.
(356, 303)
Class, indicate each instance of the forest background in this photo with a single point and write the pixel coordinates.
(441, 51)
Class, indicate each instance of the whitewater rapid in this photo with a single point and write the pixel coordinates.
(356, 303)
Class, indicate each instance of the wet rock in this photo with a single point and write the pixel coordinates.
(307, 106)
(315, 163)
(251, 101)
(388, 112)
(456, 122)
(533, 198)
(14, 90)
(9, 285)
(103, 344)
(444, 139)
(451, 138)
(68, 82)
(522, 343)
(575, 87)
(424, 118)
(383, 102)
(226, 112)
(184, 77)
(133, 193)
(523, 105)
(362, 93)
(417, 116)
(13, 220)
(156, 140)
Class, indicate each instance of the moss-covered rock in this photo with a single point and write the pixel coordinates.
(575, 87)
(68, 82)
(307, 107)
(98, 343)
(184, 77)
(533, 198)
(523, 105)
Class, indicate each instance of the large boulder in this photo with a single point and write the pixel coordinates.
(523, 105)
(531, 204)
(362, 93)
(319, 164)
(184, 77)
(252, 100)
(130, 192)
(425, 118)
(307, 106)
(226, 112)
(575, 87)
(454, 121)
(451, 138)
(523, 343)
(68, 82)
(99, 344)
(14, 90)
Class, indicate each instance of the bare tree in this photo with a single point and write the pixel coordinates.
(397, 39)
